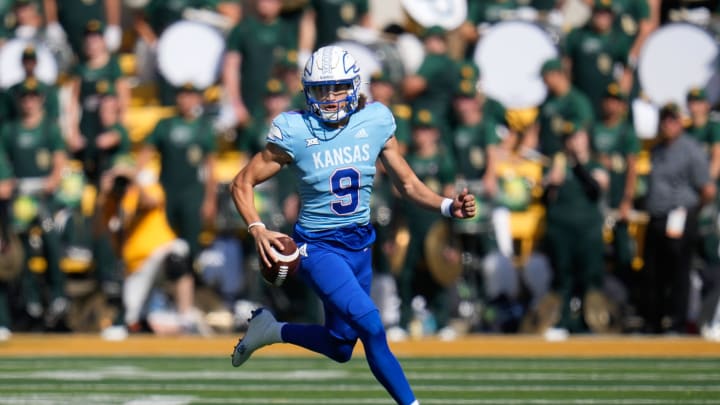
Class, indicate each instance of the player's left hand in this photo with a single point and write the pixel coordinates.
(463, 205)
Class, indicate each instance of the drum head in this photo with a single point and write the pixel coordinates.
(190, 52)
(509, 56)
(675, 58)
(11, 71)
(448, 14)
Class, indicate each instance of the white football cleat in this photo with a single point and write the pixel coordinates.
(262, 330)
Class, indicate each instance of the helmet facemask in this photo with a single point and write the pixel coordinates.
(327, 102)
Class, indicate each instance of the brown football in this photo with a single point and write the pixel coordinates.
(285, 267)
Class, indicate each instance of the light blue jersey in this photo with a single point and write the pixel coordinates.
(335, 167)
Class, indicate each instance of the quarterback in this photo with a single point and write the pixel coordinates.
(332, 148)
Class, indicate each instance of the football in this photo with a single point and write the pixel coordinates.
(286, 266)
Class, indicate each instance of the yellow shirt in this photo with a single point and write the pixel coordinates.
(149, 228)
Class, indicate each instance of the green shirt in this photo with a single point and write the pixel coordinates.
(162, 13)
(89, 98)
(403, 130)
(74, 15)
(469, 145)
(436, 172)
(629, 14)
(30, 150)
(5, 170)
(571, 205)
(183, 146)
(104, 159)
(260, 46)
(489, 11)
(614, 144)
(707, 135)
(442, 76)
(562, 115)
(334, 14)
(594, 57)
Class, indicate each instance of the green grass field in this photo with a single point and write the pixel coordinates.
(316, 381)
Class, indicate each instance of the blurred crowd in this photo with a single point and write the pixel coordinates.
(114, 162)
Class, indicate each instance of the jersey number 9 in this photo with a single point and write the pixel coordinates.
(345, 185)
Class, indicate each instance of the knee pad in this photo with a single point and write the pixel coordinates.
(176, 266)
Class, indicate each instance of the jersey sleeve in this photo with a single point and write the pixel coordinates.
(385, 121)
(631, 143)
(154, 137)
(5, 170)
(234, 39)
(279, 134)
(714, 131)
(125, 145)
(115, 70)
(55, 138)
(209, 145)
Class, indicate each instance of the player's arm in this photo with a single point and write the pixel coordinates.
(410, 186)
(261, 167)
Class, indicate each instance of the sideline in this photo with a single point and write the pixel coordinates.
(23, 345)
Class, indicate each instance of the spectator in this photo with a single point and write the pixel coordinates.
(37, 156)
(616, 146)
(383, 91)
(434, 167)
(67, 20)
(566, 110)
(573, 240)
(679, 184)
(152, 20)
(8, 247)
(432, 87)
(596, 52)
(254, 47)
(52, 102)
(187, 148)
(133, 209)
(99, 66)
(322, 19)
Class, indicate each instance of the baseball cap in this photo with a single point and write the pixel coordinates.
(29, 53)
(669, 110)
(275, 87)
(188, 87)
(466, 88)
(380, 76)
(697, 94)
(551, 65)
(424, 118)
(30, 86)
(435, 30)
(94, 27)
(613, 91)
(603, 5)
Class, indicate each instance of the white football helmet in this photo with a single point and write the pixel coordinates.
(329, 71)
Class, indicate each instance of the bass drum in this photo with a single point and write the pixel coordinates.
(448, 14)
(676, 58)
(11, 70)
(190, 52)
(510, 56)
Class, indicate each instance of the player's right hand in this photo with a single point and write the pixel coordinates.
(264, 239)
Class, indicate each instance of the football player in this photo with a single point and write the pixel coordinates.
(332, 148)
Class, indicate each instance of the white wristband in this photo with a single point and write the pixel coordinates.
(446, 207)
(254, 224)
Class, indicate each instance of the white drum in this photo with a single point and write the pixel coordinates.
(190, 52)
(11, 71)
(510, 56)
(676, 58)
(448, 14)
